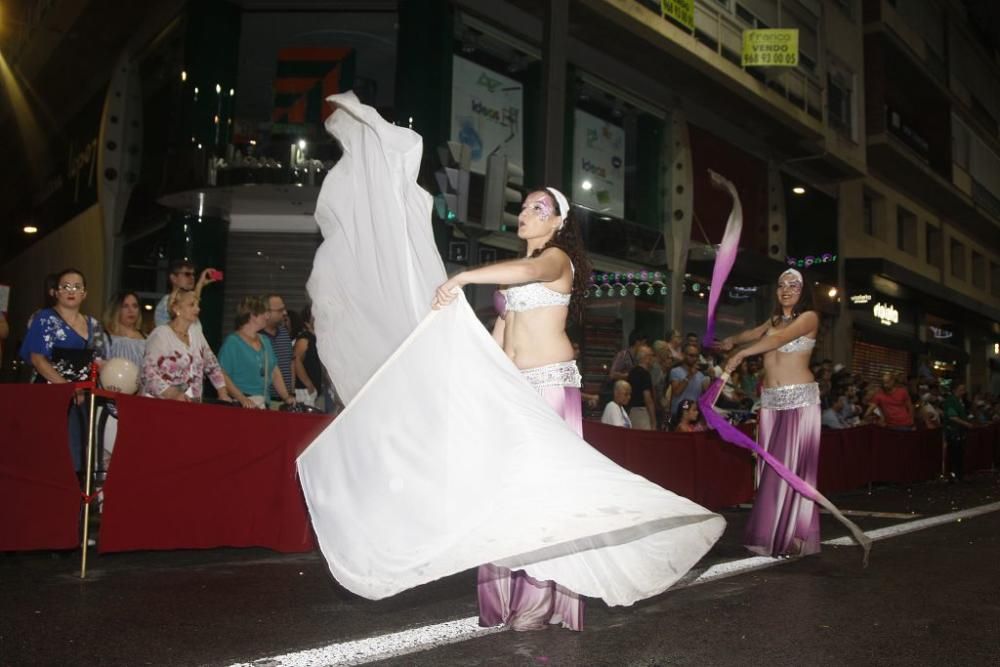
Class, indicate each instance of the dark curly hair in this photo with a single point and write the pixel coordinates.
(569, 239)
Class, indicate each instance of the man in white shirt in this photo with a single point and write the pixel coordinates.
(615, 412)
(832, 417)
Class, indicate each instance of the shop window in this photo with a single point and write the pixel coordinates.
(934, 246)
(906, 231)
(957, 259)
(978, 270)
(606, 147)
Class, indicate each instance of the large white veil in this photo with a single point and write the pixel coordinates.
(445, 458)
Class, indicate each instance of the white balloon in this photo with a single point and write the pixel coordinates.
(120, 375)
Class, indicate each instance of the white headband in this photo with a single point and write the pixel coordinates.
(562, 202)
(794, 273)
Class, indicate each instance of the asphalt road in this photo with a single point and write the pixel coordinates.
(930, 597)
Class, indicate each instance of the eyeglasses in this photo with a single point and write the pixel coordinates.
(72, 287)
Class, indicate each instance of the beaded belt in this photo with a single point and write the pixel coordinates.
(560, 374)
(790, 396)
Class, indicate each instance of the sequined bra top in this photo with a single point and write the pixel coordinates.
(534, 295)
(800, 344)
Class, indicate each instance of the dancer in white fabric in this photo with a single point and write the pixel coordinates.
(471, 465)
(542, 289)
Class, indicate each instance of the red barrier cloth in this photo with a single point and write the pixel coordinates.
(39, 492)
(980, 448)
(845, 459)
(905, 456)
(697, 466)
(190, 476)
(725, 473)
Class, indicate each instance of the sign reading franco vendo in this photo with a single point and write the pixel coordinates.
(681, 11)
(774, 47)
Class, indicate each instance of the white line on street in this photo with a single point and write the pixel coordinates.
(920, 524)
(361, 651)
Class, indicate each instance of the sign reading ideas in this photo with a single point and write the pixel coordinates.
(777, 47)
(598, 164)
(486, 113)
(681, 11)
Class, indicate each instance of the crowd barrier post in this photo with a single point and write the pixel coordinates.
(88, 480)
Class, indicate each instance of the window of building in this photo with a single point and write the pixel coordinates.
(846, 6)
(995, 279)
(868, 216)
(935, 248)
(758, 13)
(959, 142)
(840, 99)
(906, 231)
(978, 270)
(957, 259)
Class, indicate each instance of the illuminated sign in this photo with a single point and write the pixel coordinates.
(941, 334)
(885, 314)
(861, 299)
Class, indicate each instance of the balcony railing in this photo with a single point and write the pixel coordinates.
(724, 33)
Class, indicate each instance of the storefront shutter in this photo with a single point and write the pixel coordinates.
(871, 361)
(259, 263)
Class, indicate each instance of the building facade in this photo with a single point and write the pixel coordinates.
(871, 163)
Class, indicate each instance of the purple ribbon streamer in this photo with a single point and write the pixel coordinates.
(725, 256)
(724, 260)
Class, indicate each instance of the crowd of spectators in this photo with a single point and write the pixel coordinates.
(656, 386)
(265, 362)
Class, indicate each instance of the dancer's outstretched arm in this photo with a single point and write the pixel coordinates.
(548, 266)
(747, 336)
(803, 324)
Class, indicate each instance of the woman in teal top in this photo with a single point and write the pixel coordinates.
(248, 358)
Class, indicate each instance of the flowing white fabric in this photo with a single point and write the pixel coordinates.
(446, 458)
(378, 262)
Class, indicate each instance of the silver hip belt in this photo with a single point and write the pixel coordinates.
(790, 396)
(560, 374)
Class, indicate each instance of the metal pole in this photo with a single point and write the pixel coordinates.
(87, 486)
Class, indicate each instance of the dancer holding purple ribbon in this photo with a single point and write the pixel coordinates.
(785, 519)
(785, 523)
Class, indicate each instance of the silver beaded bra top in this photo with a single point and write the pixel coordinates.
(534, 295)
(800, 344)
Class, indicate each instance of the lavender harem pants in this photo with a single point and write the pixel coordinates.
(512, 597)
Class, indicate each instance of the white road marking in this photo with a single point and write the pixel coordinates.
(370, 649)
(920, 524)
(395, 644)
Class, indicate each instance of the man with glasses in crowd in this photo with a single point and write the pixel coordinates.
(686, 380)
(181, 276)
(281, 341)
